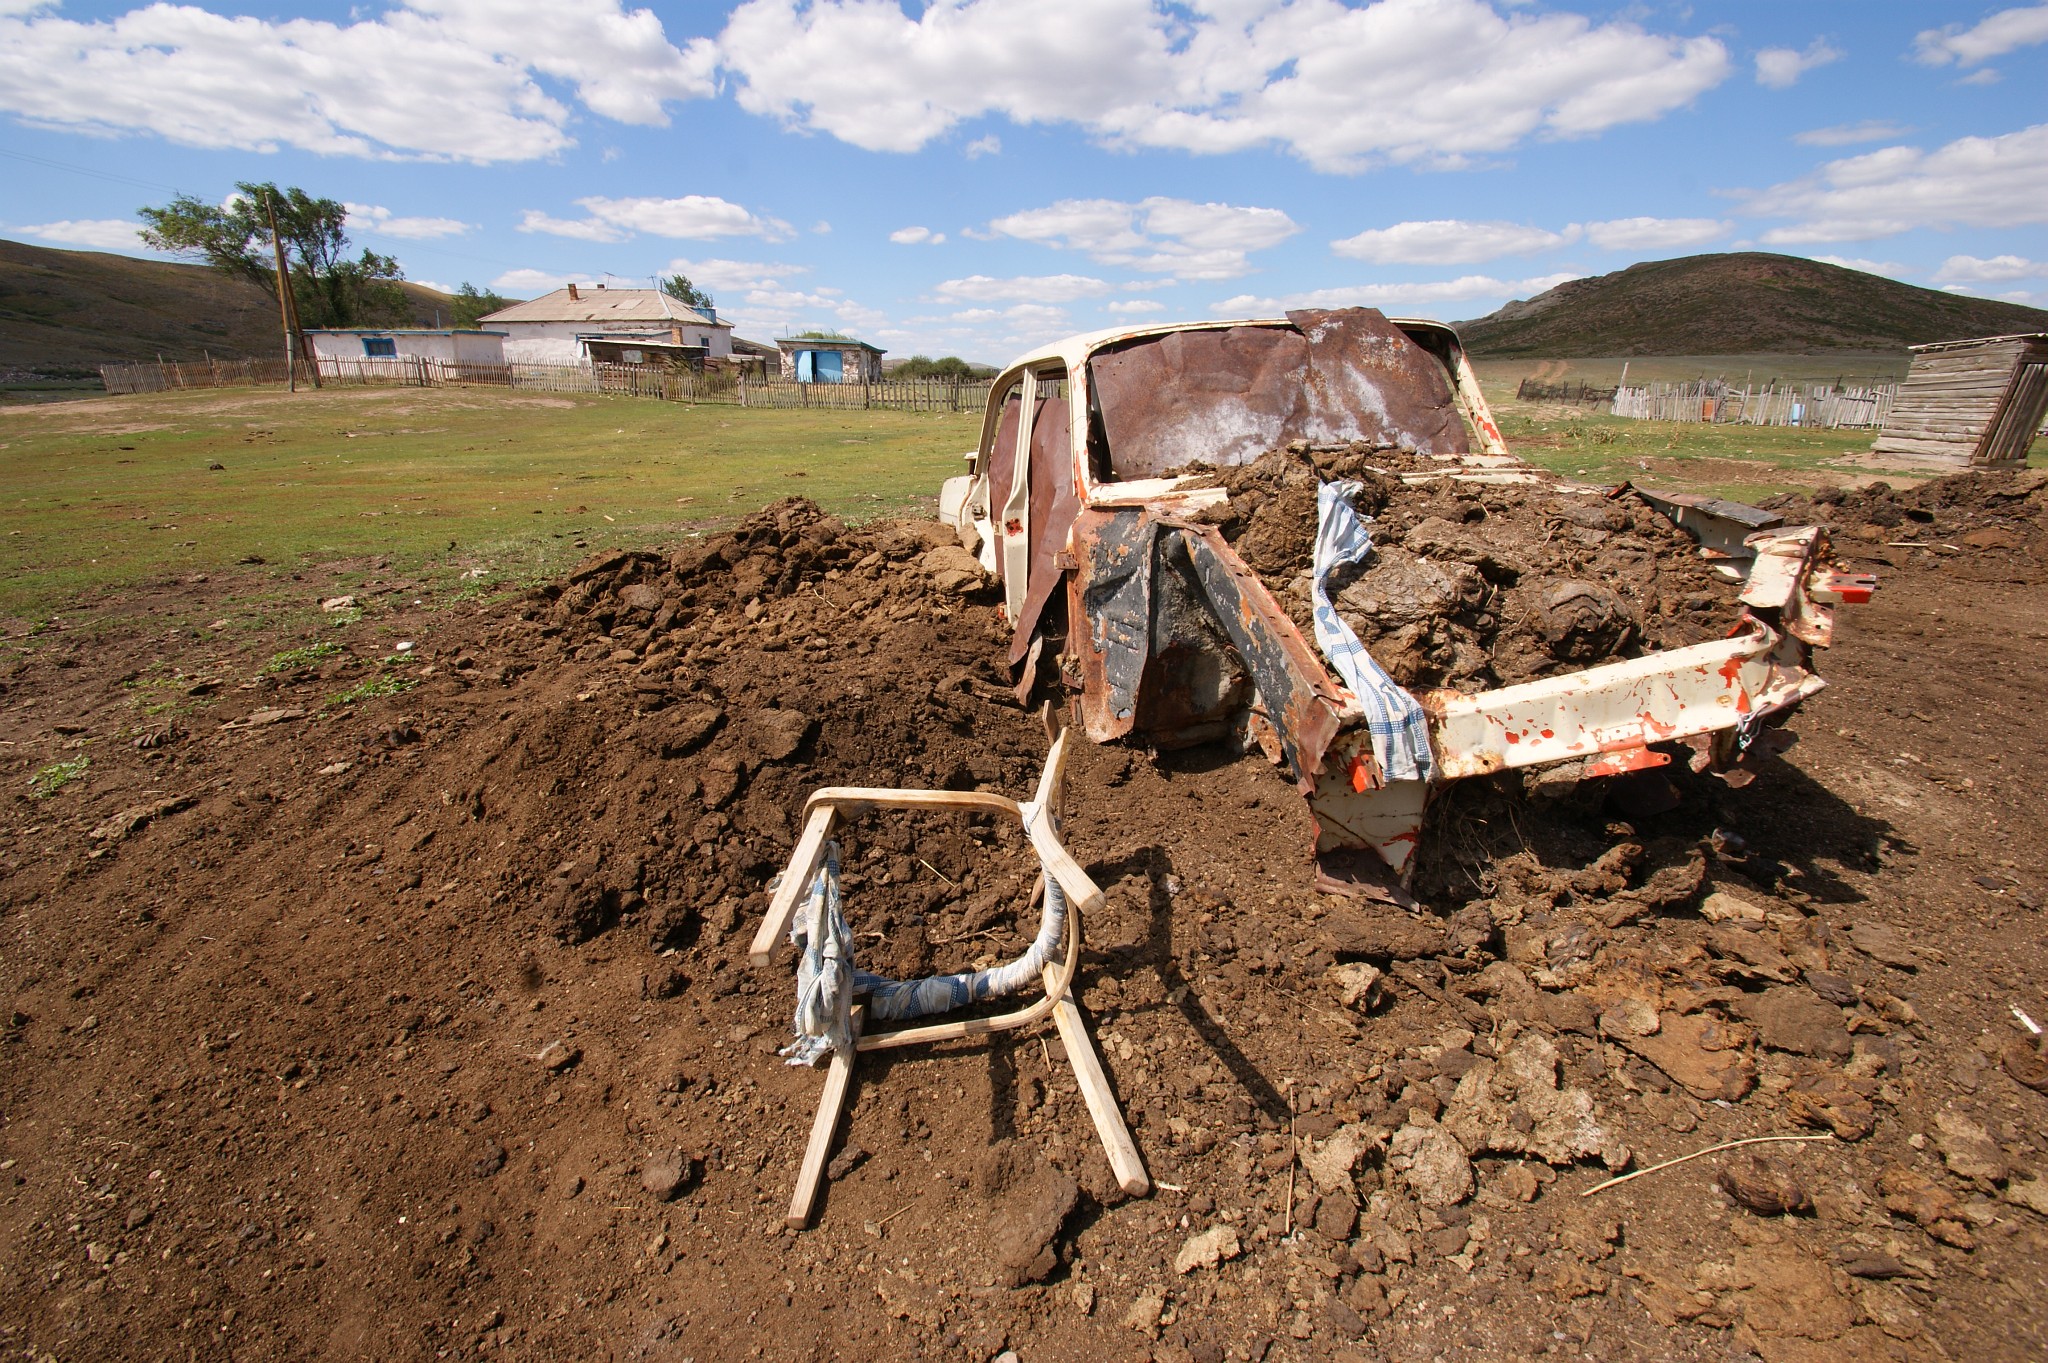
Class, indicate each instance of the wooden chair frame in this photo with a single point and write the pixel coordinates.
(822, 812)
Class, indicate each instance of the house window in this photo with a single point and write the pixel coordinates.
(380, 346)
(631, 356)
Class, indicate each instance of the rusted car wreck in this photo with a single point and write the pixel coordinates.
(1087, 498)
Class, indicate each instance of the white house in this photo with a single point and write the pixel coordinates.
(557, 328)
(367, 345)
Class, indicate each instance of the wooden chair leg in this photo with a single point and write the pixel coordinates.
(811, 1175)
(1124, 1160)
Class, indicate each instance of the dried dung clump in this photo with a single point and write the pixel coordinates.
(1476, 585)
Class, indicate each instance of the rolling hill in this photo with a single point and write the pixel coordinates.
(68, 310)
(1748, 302)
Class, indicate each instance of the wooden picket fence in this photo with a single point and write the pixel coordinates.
(168, 374)
(622, 380)
(1535, 390)
(1823, 405)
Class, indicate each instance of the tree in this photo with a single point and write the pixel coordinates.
(679, 287)
(473, 304)
(330, 288)
(925, 367)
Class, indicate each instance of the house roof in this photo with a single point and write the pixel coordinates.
(1979, 340)
(398, 331)
(595, 303)
(826, 343)
(742, 346)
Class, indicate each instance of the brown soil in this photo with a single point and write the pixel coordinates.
(422, 1027)
(1471, 585)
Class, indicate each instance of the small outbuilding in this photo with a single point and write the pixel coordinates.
(755, 359)
(1970, 404)
(570, 325)
(400, 345)
(826, 357)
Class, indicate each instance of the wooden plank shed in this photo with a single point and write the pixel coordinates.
(1970, 404)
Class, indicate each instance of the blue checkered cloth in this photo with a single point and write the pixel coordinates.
(1400, 731)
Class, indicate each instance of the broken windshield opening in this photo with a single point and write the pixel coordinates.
(1227, 395)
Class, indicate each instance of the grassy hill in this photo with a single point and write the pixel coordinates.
(69, 310)
(1746, 302)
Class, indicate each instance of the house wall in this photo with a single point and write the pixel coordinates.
(466, 347)
(557, 343)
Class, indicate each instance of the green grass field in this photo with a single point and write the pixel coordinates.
(471, 492)
(1742, 462)
(505, 488)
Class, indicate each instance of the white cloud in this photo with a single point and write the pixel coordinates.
(1161, 235)
(1042, 315)
(101, 234)
(693, 216)
(1134, 307)
(533, 283)
(1421, 296)
(1849, 134)
(1983, 75)
(2023, 297)
(1971, 182)
(454, 80)
(381, 221)
(2022, 26)
(1054, 288)
(734, 275)
(1890, 268)
(1432, 82)
(917, 236)
(770, 309)
(1655, 234)
(1454, 241)
(1449, 241)
(1996, 270)
(582, 229)
(1779, 68)
(983, 146)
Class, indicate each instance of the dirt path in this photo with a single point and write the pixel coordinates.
(421, 1026)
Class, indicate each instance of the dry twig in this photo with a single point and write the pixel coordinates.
(1710, 1150)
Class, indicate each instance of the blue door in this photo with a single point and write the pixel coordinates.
(828, 366)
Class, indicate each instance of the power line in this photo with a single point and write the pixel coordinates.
(413, 246)
(85, 170)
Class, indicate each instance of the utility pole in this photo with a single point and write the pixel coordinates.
(288, 307)
(284, 301)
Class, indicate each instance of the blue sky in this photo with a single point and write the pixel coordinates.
(979, 176)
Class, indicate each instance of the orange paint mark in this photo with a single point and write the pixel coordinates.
(1512, 736)
(1361, 775)
(1548, 734)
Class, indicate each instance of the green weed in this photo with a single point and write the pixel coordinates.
(56, 776)
(370, 688)
(291, 659)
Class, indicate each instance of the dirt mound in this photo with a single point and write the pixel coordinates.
(789, 653)
(1477, 585)
(419, 1023)
(2001, 511)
